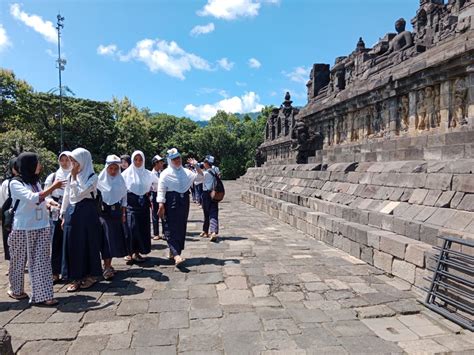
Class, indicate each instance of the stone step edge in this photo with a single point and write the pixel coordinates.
(394, 254)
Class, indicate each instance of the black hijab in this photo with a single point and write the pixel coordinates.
(27, 163)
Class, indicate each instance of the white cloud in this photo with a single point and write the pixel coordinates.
(298, 75)
(201, 30)
(4, 40)
(240, 83)
(45, 28)
(233, 9)
(225, 64)
(249, 102)
(207, 91)
(254, 63)
(161, 56)
(111, 49)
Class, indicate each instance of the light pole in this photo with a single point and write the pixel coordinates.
(61, 65)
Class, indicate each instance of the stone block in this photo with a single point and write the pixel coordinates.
(432, 197)
(394, 244)
(387, 223)
(460, 220)
(375, 219)
(415, 253)
(425, 213)
(404, 270)
(457, 199)
(439, 181)
(367, 254)
(464, 183)
(383, 261)
(377, 311)
(388, 208)
(412, 230)
(418, 196)
(445, 199)
(467, 203)
(355, 250)
(441, 216)
(399, 226)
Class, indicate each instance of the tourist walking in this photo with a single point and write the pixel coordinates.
(158, 165)
(55, 201)
(5, 193)
(30, 239)
(198, 187)
(139, 182)
(173, 197)
(81, 225)
(112, 199)
(209, 207)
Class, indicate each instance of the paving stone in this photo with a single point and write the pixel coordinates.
(309, 316)
(390, 329)
(105, 328)
(286, 324)
(261, 290)
(32, 331)
(238, 343)
(240, 322)
(151, 337)
(426, 346)
(405, 306)
(369, 345)
(168, 305)
(174, 320)
(131, 307)
(202, 291)
(404, 270)
(45, 347)
(230, 297)
(195, 344)
(119, 341)
(236, 282)
(378, 311)
(316, 338)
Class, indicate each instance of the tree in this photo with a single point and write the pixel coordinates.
(14, 142)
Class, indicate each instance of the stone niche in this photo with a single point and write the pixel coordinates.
(409, 84)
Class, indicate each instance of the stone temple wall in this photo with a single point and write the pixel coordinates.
(380, 162)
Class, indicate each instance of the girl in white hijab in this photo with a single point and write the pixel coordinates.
(81, 259)
(173, 197)
(112, 213)
(54, 205)
(139, 182)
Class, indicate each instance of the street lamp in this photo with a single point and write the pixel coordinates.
(61, 65)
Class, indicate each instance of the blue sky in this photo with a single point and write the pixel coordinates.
(245, 54)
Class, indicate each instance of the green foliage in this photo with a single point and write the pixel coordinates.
(29, 121)
(14, 142)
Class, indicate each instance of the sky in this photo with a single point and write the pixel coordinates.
(189, 57)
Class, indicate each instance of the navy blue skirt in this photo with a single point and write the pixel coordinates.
(81, 241)
(138, 224)
(114, 242)
(176, 220)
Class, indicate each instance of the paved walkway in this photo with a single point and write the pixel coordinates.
(264, 288)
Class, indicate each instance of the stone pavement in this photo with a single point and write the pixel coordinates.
(264, 288)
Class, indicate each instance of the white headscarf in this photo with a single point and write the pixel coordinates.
(138, 180)
(112, 188)
(83, 157)
(176, 179)
(62, 174)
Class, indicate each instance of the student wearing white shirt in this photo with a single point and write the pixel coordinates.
(55, 201)
(173, 197)
(113, 213)
(157, 162)
(139, 182)
(4, 195)
(209, 207)
(30, 239)
(81, 225)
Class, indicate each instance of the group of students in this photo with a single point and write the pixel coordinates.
(80, 218)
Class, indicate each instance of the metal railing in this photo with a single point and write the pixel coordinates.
(451, 293)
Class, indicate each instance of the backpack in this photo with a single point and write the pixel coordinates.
(218, 191)
(8, 211)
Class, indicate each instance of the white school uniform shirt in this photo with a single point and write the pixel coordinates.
(30, 214)
(177, 180)
(154, 185)
(75, 192)
(4, 192)
(209, 180)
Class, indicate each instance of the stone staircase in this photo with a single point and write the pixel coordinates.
(389, 214)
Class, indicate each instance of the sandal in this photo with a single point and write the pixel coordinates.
(108, 274)
(213, 237)
(19, 297)
(88, 283)
(178, 260)
(128, 260)
(73, 286)
(157, 237)
(49, 303)
(204, 235)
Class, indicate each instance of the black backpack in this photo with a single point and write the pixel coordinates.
(8, 211)
(218, 191)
